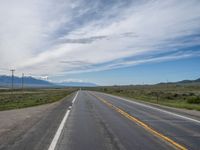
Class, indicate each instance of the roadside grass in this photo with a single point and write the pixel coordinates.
(31, 97)
(172, 95)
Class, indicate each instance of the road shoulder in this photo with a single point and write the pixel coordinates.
(17, 125)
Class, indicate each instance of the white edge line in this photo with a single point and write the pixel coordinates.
(59, 131)
(74, 98)
(147, 106)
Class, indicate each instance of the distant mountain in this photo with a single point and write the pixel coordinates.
(5, 81)
(189, 81)
(77, 84)
(194, 82)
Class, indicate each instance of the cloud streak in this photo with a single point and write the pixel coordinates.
(82, 40)
(62, 37)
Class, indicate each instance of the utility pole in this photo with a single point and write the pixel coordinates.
(12, 70)
(22, 82)
(167, 84)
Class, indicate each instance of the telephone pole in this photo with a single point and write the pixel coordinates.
(12, 70)
(22, 82)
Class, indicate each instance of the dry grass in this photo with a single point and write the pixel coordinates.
(31, 97)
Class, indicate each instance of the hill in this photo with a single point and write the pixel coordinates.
(183, 82)
(189, 81)
(5, 81)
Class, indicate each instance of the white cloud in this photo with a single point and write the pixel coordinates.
(35, 36)
(71, 80)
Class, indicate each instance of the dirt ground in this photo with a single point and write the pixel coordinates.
(15, 122)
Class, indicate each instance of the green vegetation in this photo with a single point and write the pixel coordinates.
(173, 95)
(194, 100)
(31, 97)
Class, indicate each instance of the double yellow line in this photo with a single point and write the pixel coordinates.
(142, 124)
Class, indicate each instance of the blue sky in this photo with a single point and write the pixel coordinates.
(151, 73)
(101, 41)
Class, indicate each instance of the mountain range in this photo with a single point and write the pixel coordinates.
(6, 81)
(190, 82)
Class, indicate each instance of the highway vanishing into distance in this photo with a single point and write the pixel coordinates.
(96, 121)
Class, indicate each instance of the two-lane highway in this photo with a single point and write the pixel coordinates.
(89, 120)
(102, 122)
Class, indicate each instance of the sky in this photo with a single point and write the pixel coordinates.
(107, 42)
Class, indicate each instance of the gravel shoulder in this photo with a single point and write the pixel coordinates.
(12, 118)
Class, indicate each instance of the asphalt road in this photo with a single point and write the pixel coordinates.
(96, 125)
(97, 121)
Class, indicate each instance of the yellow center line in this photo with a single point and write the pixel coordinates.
(144, 125)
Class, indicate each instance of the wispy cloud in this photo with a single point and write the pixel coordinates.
(82, 40)
(127, 62)
(60, 37)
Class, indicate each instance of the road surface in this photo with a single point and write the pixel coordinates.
(98, 121)
(95, 124)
